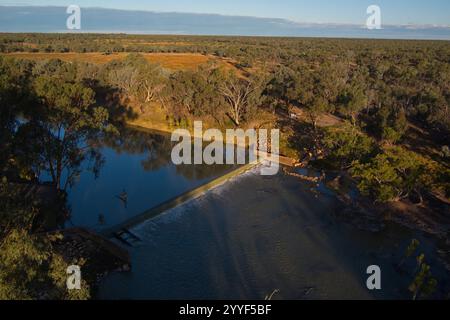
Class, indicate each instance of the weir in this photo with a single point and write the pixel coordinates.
(123, 228)
(173, 203)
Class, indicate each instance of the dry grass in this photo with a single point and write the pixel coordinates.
(153, 119)
(178, 61)
(171, 61)
(160, 43)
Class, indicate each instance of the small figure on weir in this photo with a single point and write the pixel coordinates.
(124, 198)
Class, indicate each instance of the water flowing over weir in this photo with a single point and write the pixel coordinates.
(228, 232)
(173, 203)
(181, 199)
(254, 234)
(138, 174)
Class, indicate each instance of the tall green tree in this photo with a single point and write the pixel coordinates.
(61, 135)
(394, 175)
(347, 144)
(242, 96)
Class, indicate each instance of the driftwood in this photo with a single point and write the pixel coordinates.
(305, 178)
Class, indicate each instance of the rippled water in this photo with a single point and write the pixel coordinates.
(241, 240)
(255, 234)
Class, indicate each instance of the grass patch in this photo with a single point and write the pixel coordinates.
(171, 61)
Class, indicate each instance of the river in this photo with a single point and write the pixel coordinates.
(241, 240)
(136, 164)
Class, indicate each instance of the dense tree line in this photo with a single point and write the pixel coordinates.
(46, 121)
(387, 79)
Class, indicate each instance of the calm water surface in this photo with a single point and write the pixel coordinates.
(138, 164)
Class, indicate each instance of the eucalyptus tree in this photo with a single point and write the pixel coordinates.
(282, 88)
(196, 93)
(242, 96)
(136, 78)
(353, 97)
(394, 175)
(61, 134)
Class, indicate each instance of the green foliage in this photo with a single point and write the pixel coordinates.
(354, 95)
(390, 124)
(283, 88)
(354, 76)
(30, 270)
(412, 248)
(242, 96)
(315, 108)
(351, 101)
(15, 210)
(29, 266)
(66, 121)
(49, 116)
(15, 95)
(423, 284)
(195, 93)
(393, 175)
(347, 144)
(135, 77)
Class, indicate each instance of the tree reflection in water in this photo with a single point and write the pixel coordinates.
(157, 146)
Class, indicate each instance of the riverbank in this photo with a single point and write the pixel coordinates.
(156, 120)
(282, 159)
(432, 220)
(95, 255)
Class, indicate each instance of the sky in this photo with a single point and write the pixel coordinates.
(393, 12)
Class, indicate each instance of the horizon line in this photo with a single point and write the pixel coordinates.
(422, 26)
